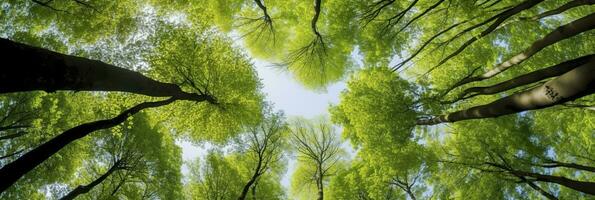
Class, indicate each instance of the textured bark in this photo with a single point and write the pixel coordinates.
(12, 172)
(29, 68)
(561, 33)
(528, 78)
(571, 85)
(83, 189)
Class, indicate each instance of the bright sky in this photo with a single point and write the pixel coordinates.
(286, 94)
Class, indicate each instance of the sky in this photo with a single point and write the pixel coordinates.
(288, 95)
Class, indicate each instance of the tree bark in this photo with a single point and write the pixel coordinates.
(582, 186)
(528, 78)
(571, 85)
(82, 189)
(29, 68)
(12, 172)
(563, 32)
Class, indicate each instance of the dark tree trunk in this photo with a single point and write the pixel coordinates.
(257, 173)
(82, 189)
(10, 173)
(561, 9)
(29, 68)
(528, 78)
(571, 85)
(582, 186)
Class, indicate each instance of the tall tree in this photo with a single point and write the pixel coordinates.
(41, 69)
(265, 147)
(319, 150)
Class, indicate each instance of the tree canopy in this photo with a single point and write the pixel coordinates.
(443, 99)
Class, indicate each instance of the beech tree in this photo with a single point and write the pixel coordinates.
(444, 99)
(319, 150)
(265, 145)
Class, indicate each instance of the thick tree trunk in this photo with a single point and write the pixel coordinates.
(571, 85)
(28, 68)
(10, 173)
(528, 78)
(82, 189)
(582, 186)
(563, 32)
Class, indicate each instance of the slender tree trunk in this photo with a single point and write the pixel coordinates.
(29, 68)
(554, 164)
(254, 191)
(571, 85)
(563, 32)
(582, 186)
(561, 9)
(528, 78)
(320, 182)
(12, 172)
(252, 180)
(12, 136)
(83, 189)
(410, 193)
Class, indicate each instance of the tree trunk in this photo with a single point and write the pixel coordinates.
(554, 164)
(252, 179)
(11, 172)
(29, 68)
(582, 186)
(82, 189)
(12, 136)
(528, 78)
(410, 193)
(561, 9)
(571, 85)
(563, 32)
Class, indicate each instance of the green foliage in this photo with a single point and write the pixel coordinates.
(376, 109)
(206, 63)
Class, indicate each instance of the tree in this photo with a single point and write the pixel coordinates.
(264, 147)
(250, 100)
(41, 69)
(215, 179)
(16, 169)
(318, 149)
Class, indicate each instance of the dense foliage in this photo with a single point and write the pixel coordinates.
(444, 99)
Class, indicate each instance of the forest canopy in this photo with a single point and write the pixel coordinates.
(443, 99)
